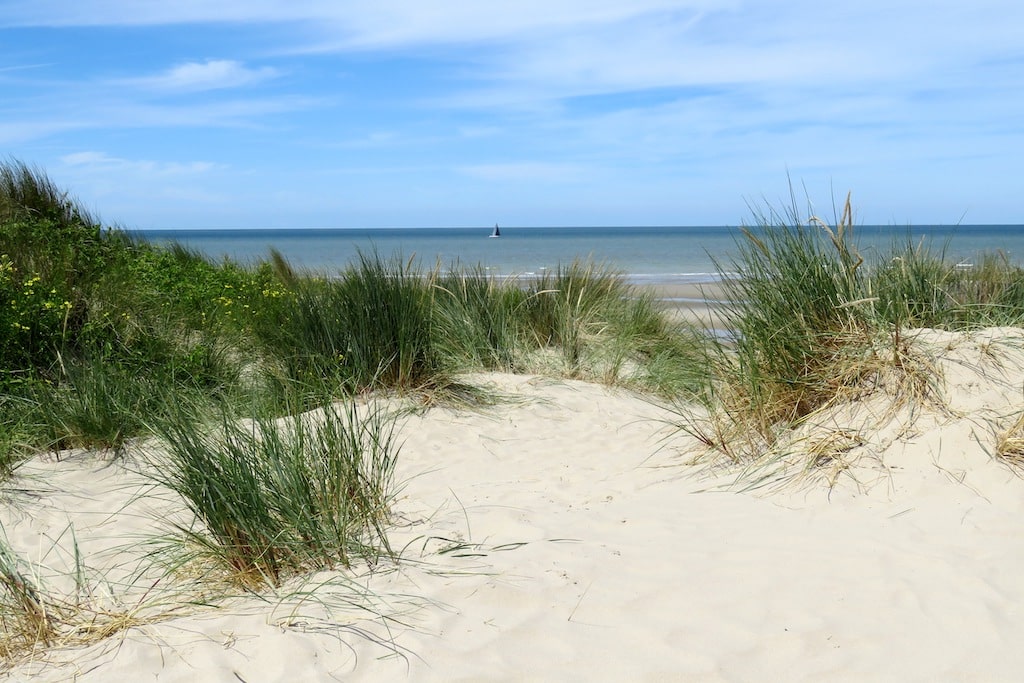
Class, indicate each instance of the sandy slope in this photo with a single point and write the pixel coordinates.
(550, 539)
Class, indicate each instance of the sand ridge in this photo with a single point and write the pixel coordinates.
(561, 536)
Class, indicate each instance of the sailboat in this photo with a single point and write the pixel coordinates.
(496, 232)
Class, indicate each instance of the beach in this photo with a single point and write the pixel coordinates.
(696, 303)
(569, 533)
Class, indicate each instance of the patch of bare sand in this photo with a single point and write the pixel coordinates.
(550, 539)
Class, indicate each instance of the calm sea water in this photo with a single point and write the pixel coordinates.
(645, 254)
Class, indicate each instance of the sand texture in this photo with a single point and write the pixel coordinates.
(563, 535)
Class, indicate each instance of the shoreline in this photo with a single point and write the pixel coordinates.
(685, 297)
(695, 303)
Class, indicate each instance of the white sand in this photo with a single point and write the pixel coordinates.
(579, 551)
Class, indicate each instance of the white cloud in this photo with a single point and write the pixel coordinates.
(767, 44)
(383, 21)
(142, 12)
(399, 23)
(100, 161)
(21, 67)
(557, 47)
(212, 74)
(721, 92)
(92, 106)
(131, 189)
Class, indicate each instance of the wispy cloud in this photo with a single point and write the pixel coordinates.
(214, 74)
(21, 67)
(20, 130)
(92, 160)
(81, 111)
(377, 22)
(554, 48)
(146, 12)
(595, 98)
(132, 187)
(400, 24)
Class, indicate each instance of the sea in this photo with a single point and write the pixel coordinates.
(644, 255)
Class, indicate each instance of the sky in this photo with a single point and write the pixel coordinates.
(395, 113)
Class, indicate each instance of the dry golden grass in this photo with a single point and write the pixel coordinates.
(34, 622)
(1010, 444)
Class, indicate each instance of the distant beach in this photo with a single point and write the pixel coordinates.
(680, 265)
(657, 256)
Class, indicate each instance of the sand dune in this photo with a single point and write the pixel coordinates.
(562, 536)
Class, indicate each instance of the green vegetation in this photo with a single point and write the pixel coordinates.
(371, 328)
(104, 339)
(279, 497)
(97, 329)
(814, 325)
(24, 616)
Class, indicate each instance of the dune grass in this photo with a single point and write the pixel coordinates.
(96, 325)
(815, 325)
(803, 327)
(25, 615)
(917, 286)
(573, 303)
(1010, 444)
(479, 319)
(279, 496)
(26, 192)
(35, 617)
(104, 338)
(90, 309)
(583, 316)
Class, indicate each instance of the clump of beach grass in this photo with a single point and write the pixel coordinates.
(479, 319)
(570, 304)
(916, 286)
(600, 327)
(812, 328)
(802, 326)
(385, 308)
(17, 434)
(369, 328)
(1010, 444)
(35, 618)
(278, 497)
(25, 615)
(27, 192)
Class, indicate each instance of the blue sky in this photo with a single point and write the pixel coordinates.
(245, 113)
